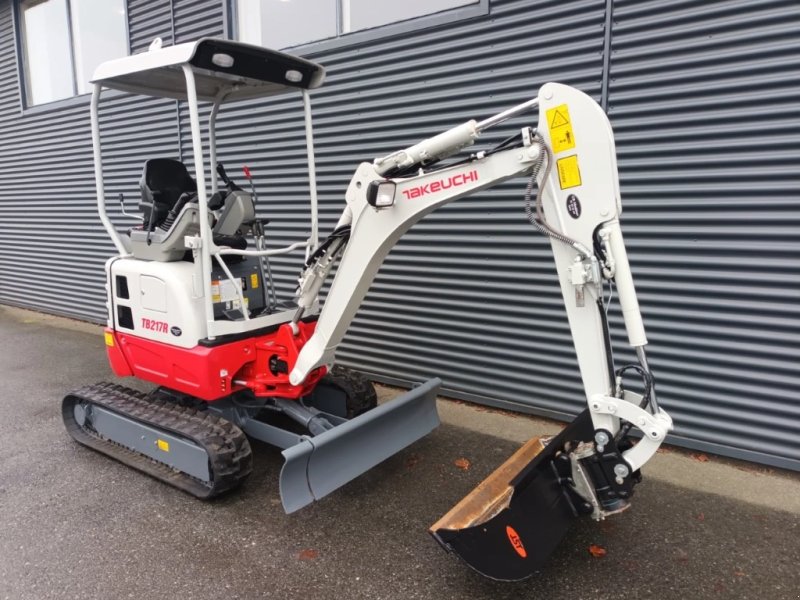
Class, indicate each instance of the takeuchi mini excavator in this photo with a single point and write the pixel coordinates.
(193, 309)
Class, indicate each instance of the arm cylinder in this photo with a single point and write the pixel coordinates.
(627, 294)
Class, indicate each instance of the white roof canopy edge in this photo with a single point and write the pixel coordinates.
(250, 71)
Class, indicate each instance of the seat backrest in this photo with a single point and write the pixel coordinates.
(162, 183)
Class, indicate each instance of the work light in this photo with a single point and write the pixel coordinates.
(380, 194)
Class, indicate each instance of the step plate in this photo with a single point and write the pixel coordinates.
(509, 525)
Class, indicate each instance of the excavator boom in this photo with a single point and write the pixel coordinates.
(507, 527)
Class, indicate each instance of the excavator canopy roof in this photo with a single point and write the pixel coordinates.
(246, 71)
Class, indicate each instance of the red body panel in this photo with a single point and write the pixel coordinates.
(211, 373)
(116, 358)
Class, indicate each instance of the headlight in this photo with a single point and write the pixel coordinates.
(380, 194)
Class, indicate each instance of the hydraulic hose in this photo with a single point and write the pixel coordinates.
(539, 220)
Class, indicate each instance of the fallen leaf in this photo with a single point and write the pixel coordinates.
(700, 457)
(597, 551)
(701, 517)
(462, 463)
(739, 573)
(308, 554)
(412, 461)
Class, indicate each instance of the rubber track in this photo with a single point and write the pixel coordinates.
(360, 392)
(230, 457)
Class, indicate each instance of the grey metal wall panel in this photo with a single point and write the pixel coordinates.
(703, 100)
(701, 96)
(149, 19)
(197, 18)
(52, 245)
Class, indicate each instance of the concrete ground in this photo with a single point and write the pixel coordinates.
(74, 524)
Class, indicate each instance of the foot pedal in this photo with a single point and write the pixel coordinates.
(508, 526)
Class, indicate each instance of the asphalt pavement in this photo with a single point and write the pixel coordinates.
(75, 524)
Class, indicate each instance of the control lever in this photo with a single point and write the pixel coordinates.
(222, 174)
(249, 178)
(151, 222)
(124, 212)
(232, 187)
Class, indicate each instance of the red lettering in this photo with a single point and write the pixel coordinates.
(442, 184)
(159, 326)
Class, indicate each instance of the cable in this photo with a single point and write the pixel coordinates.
(341, 232)
(606, 339)
(505, 144)
(647, 378)
(539, 220)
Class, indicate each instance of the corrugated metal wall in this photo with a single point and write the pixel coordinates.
(700, 95)
(52, 245)
(703, 97)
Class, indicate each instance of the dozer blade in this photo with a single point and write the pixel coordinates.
(321, 464)
(508, 526)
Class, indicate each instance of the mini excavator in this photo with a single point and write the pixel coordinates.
(193, 309)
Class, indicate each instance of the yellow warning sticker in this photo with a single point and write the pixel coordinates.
(109, 338)
(215, 295)
(163, 445)
(253, 281)
(569, 175)
(561, 134)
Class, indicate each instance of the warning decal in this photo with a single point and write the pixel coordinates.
(569, 175)
(561, 135)
(224, 290)
(560, 117)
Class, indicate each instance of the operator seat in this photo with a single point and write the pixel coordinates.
(169, 208)
(163, 182)
(170, 213)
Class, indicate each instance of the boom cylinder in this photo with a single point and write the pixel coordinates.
(439, 146)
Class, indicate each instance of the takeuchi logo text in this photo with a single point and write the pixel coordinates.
(441, 184)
